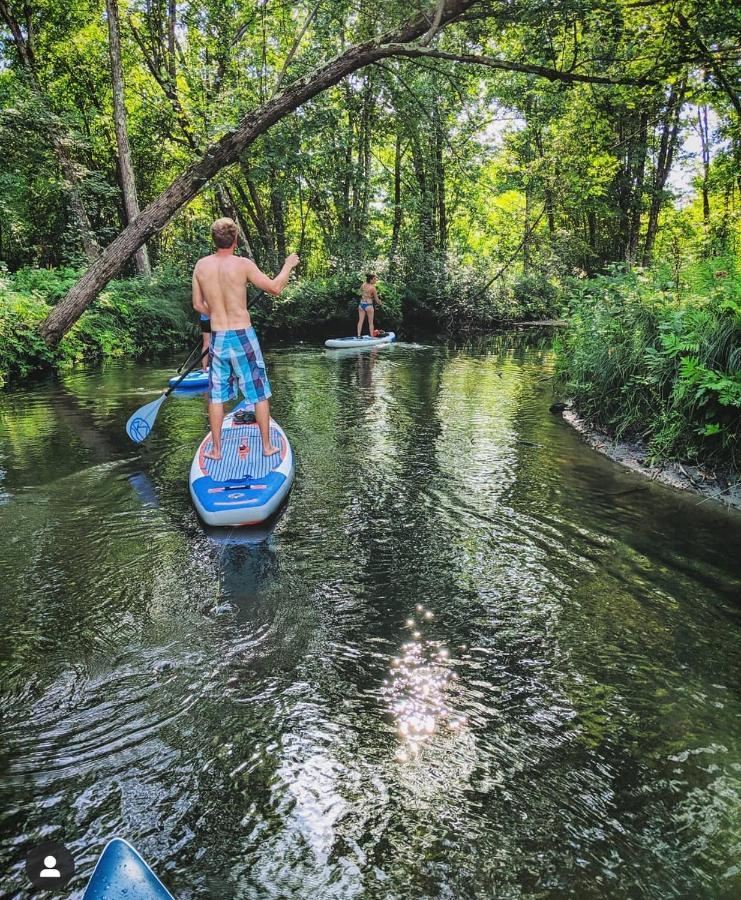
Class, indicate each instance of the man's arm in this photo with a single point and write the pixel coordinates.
(199, 304)
(275, 285)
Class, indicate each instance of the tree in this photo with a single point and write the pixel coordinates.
(383, 152)
(125, 168)
(225, 152)
(58, 136)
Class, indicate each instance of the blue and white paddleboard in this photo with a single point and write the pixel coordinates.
(121, 874)
(365, 341)
(243, 487)
(197, 379)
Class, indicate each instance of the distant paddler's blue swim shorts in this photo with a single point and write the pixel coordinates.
(235, 358)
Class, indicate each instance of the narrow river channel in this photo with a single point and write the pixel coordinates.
(472, 658)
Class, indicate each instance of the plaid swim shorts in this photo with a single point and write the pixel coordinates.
(236, 356)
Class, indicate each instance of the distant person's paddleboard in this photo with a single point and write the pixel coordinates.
(365, 341)
(193, 380)
(244, 487)
(121, 874)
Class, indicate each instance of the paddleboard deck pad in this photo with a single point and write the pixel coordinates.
(244, 487)
(191, 380)
(365, 341)
(121, 874)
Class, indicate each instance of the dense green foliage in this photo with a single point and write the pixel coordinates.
(409, 164)
(478, 191)
(131, 317)
(646, 358)
(137, 316)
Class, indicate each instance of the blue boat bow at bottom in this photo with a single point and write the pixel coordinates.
(244, 487)
(121, 874)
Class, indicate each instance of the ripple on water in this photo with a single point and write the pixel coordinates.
(565, 723)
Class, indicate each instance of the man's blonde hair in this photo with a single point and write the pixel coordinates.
(224, 232)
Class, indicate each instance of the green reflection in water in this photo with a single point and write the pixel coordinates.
(222, 699)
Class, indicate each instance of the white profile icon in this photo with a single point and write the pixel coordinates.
(50, 871)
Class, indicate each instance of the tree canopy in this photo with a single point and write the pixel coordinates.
(463, 133)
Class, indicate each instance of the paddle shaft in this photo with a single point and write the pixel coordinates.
(189, 357)
(186, 373)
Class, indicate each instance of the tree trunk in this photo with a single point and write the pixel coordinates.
(220, 154)
(256, 210)
(228, 208)
(667, 146)
(426, 231)
(637, 178)
(277, 215)
(125, 168)
(364, 155)
(397, 202)
(702, 127)
(526, 257)
(592, 240)
(547, 192)
(442, 212)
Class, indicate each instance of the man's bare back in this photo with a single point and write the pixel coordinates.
(220, 291)
(222, 279)
(220, 287)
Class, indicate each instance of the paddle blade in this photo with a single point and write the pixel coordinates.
(142, 422)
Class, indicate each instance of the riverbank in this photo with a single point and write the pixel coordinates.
(657, 362)
(633, 455)
(144, 317)
(133, 317)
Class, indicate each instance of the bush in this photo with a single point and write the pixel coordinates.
(644, 362)
(130, 317)
(21, 347)
(50, 284)
(536, 297)
(440, 292)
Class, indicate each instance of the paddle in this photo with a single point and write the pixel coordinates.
(142, 421)
(190, 357)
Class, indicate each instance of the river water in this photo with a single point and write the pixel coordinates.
(471, 659)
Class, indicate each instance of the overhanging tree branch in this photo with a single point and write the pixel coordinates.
(294, 48)
(712, 62)
(505, 65)
(231, 145)
(435, 26)
(223, 153)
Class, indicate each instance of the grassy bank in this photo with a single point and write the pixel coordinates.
(136, 317)
(653, 358)
(130, 318)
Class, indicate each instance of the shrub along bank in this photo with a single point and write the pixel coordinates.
(139, 317)
(651, 358)
(129, 318)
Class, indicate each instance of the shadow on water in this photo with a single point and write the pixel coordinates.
(470, 658)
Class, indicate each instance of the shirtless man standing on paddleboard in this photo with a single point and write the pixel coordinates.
(220, 290)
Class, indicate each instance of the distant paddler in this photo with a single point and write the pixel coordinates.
(369, 299)
(205, 323)
(220, 291)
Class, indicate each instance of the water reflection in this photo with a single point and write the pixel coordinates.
(417, 688)
(219, 698)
